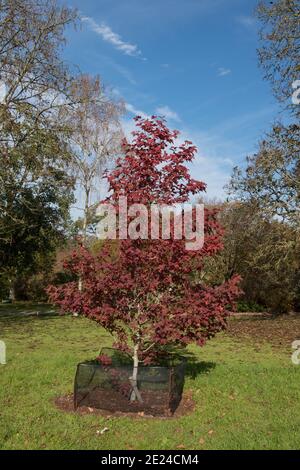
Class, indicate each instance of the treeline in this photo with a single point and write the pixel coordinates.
(266, 254)
(59, 129)
(262, 221)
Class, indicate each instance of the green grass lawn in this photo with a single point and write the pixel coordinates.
(247, 395)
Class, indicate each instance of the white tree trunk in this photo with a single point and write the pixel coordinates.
(84, 230)
(12, 290)
(135, 394)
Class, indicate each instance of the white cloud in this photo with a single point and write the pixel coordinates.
(165, 111)
(228, 161)
(247, 21)
(115, 91)
(213, 161)
(217, 151)
(123, 71)
(222, 72)
(131, 109)
(168, 113)
(111, 37)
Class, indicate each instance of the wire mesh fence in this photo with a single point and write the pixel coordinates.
(106, 384)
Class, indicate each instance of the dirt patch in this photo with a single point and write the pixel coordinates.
(155, 402)
(66, 404)
(279, 331)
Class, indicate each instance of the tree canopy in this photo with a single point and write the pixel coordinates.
(147, 293)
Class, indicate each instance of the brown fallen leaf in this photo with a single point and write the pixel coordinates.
(210, 432)
(201, 441)
(180, 446)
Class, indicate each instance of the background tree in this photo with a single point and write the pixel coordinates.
(264, 251)
(95, 140)
(271, 179)
(29, 248)
(35, 191)
(270, 182)
(280, 46)
(147, 295)
(36, 83)
(272, 176)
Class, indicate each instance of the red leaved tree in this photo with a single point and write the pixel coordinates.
(148, 293)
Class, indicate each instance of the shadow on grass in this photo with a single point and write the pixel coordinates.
(25, 310)
(19, 320)
(28, 315)
(193, 369)
(193, 366)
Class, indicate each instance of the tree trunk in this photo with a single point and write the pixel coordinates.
(135, 394)
(12, 291)
(2, 352)
(86, 214)
(84, 231)
(84, 227)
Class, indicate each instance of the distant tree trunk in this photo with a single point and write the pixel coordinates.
(86, 213)
(84, 226)
(12, 290)
(84, 232)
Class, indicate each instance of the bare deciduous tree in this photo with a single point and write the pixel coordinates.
(96, 139)
(280, 45)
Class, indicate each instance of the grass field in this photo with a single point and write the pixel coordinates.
(247, 391)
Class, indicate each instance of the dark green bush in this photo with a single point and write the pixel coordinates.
(248, 306)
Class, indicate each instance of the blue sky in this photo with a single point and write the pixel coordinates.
(193, 60)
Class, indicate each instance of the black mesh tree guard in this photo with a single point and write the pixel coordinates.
(107, 385)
